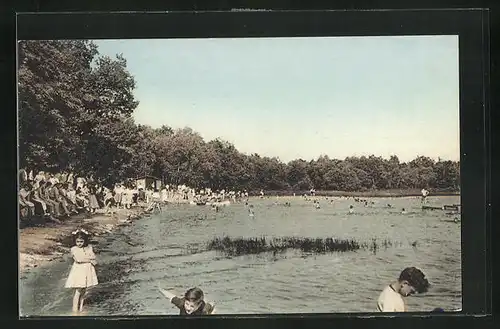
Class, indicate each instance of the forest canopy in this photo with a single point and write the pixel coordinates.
(75, 115)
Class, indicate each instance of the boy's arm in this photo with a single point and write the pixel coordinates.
(169, 295)
(211, 307)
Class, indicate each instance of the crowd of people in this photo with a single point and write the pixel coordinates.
(58, 196)
(55, 197)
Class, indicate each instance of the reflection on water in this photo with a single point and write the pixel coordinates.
(170, 248)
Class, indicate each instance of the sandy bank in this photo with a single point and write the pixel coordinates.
(40, 245)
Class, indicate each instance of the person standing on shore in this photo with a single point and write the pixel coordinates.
(109, 202)
(82, 274)
(164, 195)
(142, 195)
(126, 197)
(93, 204)
(118, 195)
(425, 193)
(411, 280)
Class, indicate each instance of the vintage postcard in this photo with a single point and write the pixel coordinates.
(239, 176)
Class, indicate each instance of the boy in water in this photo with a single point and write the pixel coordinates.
(191, 304)
(411, 280)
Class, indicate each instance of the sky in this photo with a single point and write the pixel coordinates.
(303, 97)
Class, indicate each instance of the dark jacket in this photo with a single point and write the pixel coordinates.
(204, 309)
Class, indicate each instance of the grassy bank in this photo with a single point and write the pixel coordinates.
(40, 245)
(362, 194)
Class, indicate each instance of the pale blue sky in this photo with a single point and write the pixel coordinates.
(303, 97)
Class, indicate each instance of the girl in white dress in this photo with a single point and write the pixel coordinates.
(118, 195)
(82, 274)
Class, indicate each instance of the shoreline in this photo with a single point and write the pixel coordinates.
(360, 194)
(40, 245)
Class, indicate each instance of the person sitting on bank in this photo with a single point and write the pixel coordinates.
(24, 200)
(65, 196)
(411, 280)
(191, 304)
(37, 199)
(47, 195)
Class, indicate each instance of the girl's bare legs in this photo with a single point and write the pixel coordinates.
(83, 295)
(76, 300)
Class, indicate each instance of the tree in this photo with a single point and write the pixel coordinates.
(107, 131)
(72, 108)
(51, 94)
(297, 176)
(75, 113)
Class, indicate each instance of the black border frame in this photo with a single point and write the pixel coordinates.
(472, 26)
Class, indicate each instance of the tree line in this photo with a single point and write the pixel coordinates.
(75, 115)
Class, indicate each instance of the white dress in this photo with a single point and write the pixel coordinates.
(82, 274)
(126, 199)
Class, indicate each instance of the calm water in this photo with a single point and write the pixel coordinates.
(169, 249)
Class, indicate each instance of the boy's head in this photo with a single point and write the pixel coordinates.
(193, 300)
(412, 280)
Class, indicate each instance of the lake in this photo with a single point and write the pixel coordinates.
(169, 248)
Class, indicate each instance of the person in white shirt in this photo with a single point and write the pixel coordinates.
(425, 193)
(40, 176)
(53, 179)
(164, 195)
(71, 193)
(154, 203)
(411, 281)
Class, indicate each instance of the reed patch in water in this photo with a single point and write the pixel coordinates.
(244, 246)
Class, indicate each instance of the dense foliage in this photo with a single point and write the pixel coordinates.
(75, 114)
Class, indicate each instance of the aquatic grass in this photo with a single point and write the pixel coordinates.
(245, 246)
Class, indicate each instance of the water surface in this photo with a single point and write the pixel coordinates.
(170, 249)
